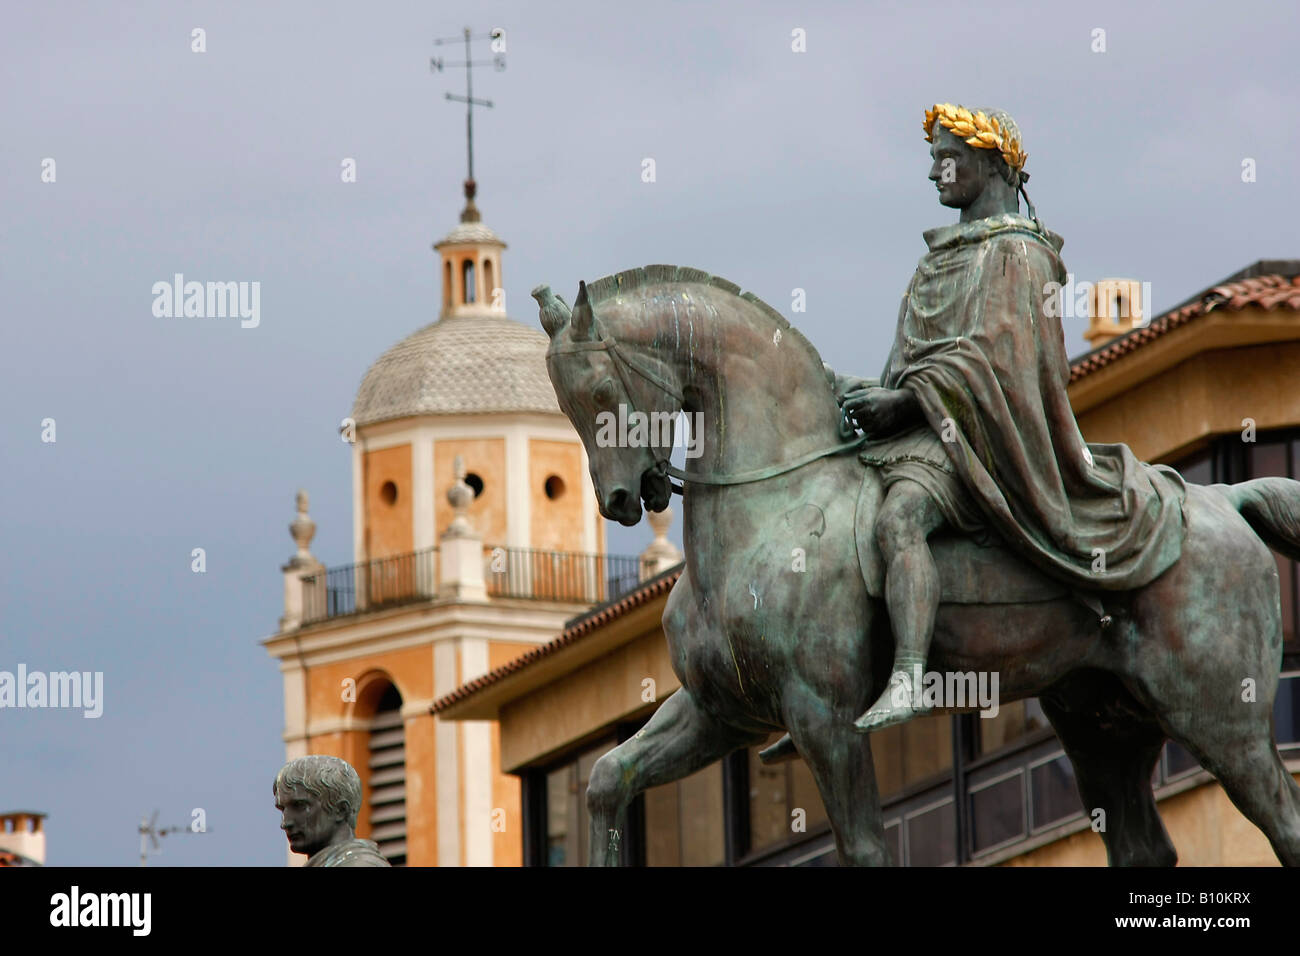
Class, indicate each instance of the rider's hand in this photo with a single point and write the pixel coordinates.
(877, 411)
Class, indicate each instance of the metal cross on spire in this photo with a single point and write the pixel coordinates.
(498, 61)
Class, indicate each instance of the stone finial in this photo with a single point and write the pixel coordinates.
(470, 212)
(662, 554)
(303, 529)
(460, 495)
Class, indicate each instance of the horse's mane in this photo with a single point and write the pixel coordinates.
(630, 280)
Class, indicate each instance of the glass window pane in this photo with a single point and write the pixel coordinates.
(585, 764)
(1286, 587)
(561, 817)
(1286, 711)
(1055, 795)
(997, 813)
(806, 796)
(684, 821)
(662, 826)
(566, 808)
(894, 840)
(702, 841)
(887, 755)
(1198, 469)
(1013, 721)
(932, 837)
(1178, 760)
(927, 747)
(776, 791)
(769, 821)
(1266, 460)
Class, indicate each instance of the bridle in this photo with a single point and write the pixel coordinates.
(623, 362)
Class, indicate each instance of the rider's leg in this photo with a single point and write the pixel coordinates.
(907, 518)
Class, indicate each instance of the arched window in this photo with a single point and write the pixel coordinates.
(467, 281)
(446, 285)
(386, 800)
(489, 290)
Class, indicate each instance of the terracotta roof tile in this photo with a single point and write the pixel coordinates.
(1267, 291)
(1270, 291)
(574, 632)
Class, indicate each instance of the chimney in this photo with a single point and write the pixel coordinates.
(1115, 307)
(22, 838)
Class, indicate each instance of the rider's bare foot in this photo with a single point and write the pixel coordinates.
(898, 703)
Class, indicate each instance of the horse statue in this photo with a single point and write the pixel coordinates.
(761, 642)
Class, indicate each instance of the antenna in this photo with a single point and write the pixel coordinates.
(149, 834)
(498, 62)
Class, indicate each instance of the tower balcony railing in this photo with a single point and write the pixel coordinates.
(519, 573)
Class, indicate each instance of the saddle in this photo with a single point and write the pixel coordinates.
(969, 572)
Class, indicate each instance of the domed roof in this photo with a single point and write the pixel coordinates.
(469, 232)
(461, 364)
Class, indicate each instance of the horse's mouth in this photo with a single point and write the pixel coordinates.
(656, 491)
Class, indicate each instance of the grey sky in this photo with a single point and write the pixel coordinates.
(776, 170)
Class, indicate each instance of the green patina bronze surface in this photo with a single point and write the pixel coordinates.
(810, 588)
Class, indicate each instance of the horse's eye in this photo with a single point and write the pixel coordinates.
(604, 393)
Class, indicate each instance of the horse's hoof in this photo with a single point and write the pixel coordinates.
(779, 752)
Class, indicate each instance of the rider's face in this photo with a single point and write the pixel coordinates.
(959, 172)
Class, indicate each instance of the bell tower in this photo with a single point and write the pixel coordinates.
(471, 265)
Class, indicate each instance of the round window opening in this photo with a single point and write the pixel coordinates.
(554, 487)
(388, 492)
(475, 482)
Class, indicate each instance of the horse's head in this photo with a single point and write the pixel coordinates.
(601, 392)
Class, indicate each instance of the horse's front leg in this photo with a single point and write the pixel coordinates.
(677, 741)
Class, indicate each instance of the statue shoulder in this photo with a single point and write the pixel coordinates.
(352, 853)
(1040, 252)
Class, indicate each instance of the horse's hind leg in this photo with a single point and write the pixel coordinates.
(677, 741)
(1113, 743)
(840, 759)
(1236, 745)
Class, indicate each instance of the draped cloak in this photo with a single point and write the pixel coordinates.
(976, 345)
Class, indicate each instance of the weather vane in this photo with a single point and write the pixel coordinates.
(498, 61)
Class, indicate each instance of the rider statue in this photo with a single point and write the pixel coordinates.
(971, 426)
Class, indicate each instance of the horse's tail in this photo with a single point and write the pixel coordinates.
(1271, 506)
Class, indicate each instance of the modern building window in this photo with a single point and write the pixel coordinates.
(1053, 793)
(387, 797)
(997, 811)
(1286, 712)
(1013, 722)
(684, 821)
(567, 819)
(912, 753)
(784, 802)
(931, 834)
(1270, 457)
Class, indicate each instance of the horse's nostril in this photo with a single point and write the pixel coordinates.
(617, 500)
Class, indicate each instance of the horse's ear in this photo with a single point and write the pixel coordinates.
(553, 310)
(583, 317)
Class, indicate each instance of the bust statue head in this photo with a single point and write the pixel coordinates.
(318, 798)
(977, 160)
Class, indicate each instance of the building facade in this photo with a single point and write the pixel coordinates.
(1207, 387)
(476, 536)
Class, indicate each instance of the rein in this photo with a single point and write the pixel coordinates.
(663, 467)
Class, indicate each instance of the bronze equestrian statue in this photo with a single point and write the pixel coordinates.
(1133, 605)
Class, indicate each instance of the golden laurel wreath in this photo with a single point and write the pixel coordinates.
(978, 130)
